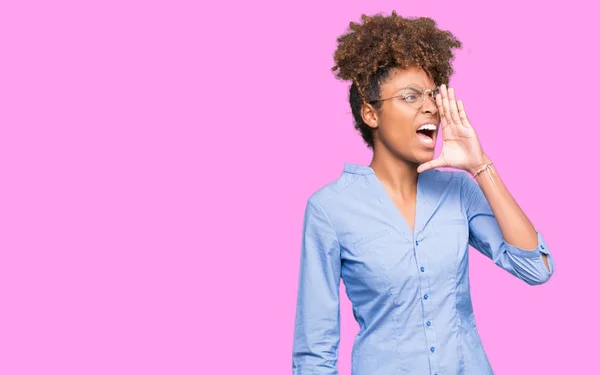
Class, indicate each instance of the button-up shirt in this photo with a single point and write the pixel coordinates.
(409, 289)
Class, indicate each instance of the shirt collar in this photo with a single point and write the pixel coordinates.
(364, 171)
(357, 169)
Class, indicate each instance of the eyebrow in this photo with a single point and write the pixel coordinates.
(412, 88)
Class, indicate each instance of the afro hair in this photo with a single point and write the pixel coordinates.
(369, 52)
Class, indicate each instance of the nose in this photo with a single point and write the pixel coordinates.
(429, 105)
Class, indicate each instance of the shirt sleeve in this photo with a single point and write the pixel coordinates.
(317, 326)
(486, 237)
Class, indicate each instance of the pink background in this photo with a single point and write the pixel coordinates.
(156, 158)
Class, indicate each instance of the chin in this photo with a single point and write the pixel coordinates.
(423, 156)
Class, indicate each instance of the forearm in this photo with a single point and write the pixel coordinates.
(516, 228)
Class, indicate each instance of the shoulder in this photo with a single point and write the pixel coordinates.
(452, 184)
(332, 190)
(444, 177)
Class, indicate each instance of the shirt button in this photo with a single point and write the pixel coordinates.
(428, 323)
(425, 296)
(422, 269)
(417, 243)
(432, 349)
(542, 246)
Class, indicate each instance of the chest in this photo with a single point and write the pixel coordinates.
(403, 246)
(440, 249)
(406, 208)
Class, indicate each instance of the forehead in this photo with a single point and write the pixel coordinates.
(404, 77)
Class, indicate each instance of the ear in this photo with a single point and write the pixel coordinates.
(369, 116)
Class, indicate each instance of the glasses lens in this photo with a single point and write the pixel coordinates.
(413, 95)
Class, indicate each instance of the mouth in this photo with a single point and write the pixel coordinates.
(426, 133)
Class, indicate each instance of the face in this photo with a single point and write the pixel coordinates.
(398, 125)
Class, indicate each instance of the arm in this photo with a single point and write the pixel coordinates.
(501, 230)
(317, 326)
(497, 226)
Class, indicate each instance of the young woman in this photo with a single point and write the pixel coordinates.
(397, 231)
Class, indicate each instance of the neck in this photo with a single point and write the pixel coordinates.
(399, 176)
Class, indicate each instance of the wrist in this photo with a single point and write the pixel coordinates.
(473, 169)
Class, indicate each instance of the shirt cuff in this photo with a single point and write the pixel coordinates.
(541, 248)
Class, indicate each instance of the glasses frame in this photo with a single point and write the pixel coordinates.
(427, 92)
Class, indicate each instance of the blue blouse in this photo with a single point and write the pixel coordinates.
(409, 290)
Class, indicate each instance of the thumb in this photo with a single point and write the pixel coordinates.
(435, 163)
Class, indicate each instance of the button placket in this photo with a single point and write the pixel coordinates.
(426, 296)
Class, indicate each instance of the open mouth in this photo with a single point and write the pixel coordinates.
(426, 134)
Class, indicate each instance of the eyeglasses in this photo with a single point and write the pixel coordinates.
(413, 95)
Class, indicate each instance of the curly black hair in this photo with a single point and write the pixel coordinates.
(369, 52)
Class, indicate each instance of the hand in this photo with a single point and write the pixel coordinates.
(460, 146)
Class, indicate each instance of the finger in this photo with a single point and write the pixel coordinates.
(435, 163)
(438, 102)
(463, 115)
(445, 104)
(452, 106)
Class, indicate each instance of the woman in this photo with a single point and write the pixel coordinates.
(397, 232)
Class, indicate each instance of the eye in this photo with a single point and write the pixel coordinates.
(412, 96)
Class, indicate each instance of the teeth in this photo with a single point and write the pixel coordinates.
(427, 127)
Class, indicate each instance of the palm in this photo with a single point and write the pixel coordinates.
(460, 146)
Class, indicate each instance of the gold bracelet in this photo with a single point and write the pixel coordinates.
(486, 166)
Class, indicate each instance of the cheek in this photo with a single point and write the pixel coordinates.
(397, 128)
